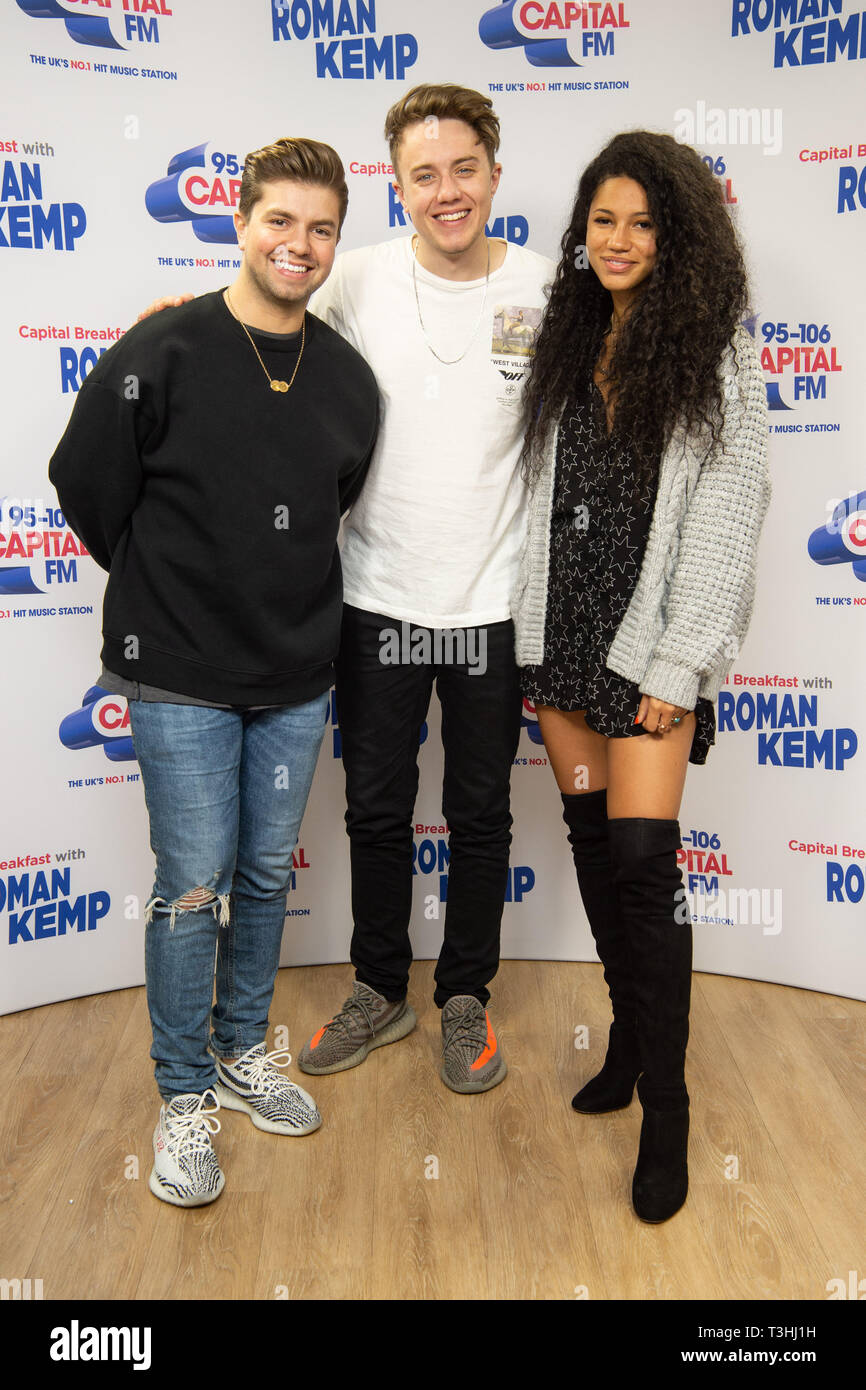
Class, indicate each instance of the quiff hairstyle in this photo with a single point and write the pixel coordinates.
(445, 102)
(301, 161)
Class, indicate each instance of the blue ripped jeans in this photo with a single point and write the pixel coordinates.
(225, 792)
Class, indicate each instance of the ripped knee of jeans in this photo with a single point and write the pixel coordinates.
(192, 901)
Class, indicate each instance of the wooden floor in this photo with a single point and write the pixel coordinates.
(531, 1200)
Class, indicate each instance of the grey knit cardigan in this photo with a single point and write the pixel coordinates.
(692, 603)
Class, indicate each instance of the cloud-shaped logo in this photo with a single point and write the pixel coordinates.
(774, 397)
(529, 721)
(843, 538)
(512, 25)
(102, 719)
(90, 29)
(190, 189)
(17, 579)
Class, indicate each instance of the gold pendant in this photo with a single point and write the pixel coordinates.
(279, 386)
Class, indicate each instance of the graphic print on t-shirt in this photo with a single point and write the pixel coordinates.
(515, 329)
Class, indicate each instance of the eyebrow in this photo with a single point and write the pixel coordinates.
(293, 217)
(632, 214)
(467, 159)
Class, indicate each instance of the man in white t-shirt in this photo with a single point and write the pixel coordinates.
(447, 319)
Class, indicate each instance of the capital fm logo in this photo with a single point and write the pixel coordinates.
(134, 20)
(102, 720)
(799, 357)
(40, 546)
(554, 35)
(842, 539)
(200, 188)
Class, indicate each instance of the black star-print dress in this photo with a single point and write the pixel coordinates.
(598, 534)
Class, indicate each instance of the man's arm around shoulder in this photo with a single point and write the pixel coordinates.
(96, 468)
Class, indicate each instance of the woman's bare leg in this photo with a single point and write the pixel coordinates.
(578, 755)
(646, 774)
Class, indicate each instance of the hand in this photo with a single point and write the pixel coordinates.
(167, 302)
(658, 717)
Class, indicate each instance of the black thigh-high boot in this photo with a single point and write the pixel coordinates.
(586, 818)
(659, 929)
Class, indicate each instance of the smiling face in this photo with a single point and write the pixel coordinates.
(288, 243)
(446, 185)
(621, 238)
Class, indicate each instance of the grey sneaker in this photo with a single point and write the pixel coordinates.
(364, 1022)
(471, 1060)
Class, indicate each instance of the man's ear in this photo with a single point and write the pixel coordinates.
(398, 189)
(495, 176)
(240, 228)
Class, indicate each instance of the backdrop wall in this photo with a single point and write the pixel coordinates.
(124, 124)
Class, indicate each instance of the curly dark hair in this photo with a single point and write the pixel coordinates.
(664, 367)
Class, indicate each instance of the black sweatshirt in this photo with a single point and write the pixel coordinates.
(215, 502)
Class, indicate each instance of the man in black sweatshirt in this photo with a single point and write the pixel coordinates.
(207, 462)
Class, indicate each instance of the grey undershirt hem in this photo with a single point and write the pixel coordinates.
(152, 695)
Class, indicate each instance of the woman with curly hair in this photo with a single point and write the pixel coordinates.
(645, 451)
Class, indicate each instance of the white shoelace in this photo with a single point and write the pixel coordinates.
(192, 1130)
(255, 1071)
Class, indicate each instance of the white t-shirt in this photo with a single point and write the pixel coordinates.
(435, 536)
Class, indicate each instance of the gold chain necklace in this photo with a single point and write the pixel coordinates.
(275, 385)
